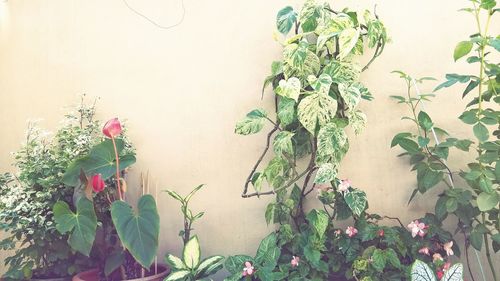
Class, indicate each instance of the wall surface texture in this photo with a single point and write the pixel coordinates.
(183, 89)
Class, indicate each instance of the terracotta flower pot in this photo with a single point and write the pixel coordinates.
(93, 275)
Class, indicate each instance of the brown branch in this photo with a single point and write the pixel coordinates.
(397, 219)
(292, 181)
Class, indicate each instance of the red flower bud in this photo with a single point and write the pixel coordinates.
(98, 184)
(381, 233)
(112, 128)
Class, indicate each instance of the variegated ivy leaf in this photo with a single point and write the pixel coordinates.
(274, 168)
(282, 143)
(357, 119)
(319, 221)
(342, 72)
(332, 144)
(253, 122)
(295, 54)
(285, 19)
(299, 61)
(356, 200)
(350, 94)
(326, 173)
(289, 88)
(257, 180)
(376, 29)
(331, 28)
(310, 15)
(321, 84)
(286, 111)
(316, 109)
(347, 40)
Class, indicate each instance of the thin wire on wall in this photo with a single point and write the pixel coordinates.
(154, 22)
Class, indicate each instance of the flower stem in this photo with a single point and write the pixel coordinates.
(117, 169)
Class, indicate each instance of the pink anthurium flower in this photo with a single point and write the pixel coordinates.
(295, 261)
(351, 231)
(98, 184)
(248, 269)
(417, 228)
(112, 128)
(344, 185)
(447, 247)
(424, 251)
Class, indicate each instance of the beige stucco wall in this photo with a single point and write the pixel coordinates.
(183, 89)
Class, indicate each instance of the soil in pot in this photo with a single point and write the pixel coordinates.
(98, 275)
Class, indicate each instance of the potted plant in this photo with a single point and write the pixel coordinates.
(27, 196)
(130, 242)
(190, 267)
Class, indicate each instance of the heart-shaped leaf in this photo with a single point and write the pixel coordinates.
(81, 225)
(100, 160)
(138, 231)
(421, 272)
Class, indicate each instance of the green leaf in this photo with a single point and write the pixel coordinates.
(454, 273)
(286, 111)
(100, 160)
(462, 49)
(326, 173)
(177, 275)
(235, 264)
(379, 261)
(472, 85)
(424, 121)
(289, 88)
(392, 257)
(285, 19)
(423, 142)
(282, 143)
(469, 117)
(347, 40)
(268, 251)
(476, 240)
(175, 262)
(356, 200)
(481, 132)
(451, 79)
(408, 145)
(319, 221)
(81, 225)
(487, 201)
(114, 261)
(316, 110)
(138, 231)
(421, 272)
(395, 140)
(253, 122)
(488, 4)
(269, 215)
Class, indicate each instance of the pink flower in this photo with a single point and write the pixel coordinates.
(98, 184)
(248, 269)
(337, 232)
(344, 185)
(351, 231)
(437, 257)
(447, 247)
(381, 233)
(323, 187)
(295, 261)
(446, 266)
(112, 128)
(417, 228)
(424, 251)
